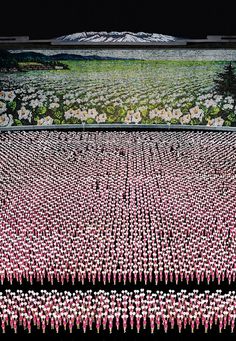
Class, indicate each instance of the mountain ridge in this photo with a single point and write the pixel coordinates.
(116, 37)
(36, 56)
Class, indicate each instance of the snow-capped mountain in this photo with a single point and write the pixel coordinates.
(116, 37)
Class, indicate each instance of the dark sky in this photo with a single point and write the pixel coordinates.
(51, 18)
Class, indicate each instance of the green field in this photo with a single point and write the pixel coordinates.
(118, 91)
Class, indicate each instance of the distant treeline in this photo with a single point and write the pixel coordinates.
(12, 60)
(7, 60)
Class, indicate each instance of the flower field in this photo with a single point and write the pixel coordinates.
(117, 91)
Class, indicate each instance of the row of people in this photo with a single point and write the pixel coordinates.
(113, 310)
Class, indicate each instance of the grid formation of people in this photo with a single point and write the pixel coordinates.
(118, 207)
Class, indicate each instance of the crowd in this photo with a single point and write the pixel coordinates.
(117, 206)
(103, 310)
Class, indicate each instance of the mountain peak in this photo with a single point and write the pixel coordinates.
(116, 37)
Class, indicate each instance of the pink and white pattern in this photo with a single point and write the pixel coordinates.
(99, 310)
(117, 206)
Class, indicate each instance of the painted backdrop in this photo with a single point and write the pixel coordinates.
(174, 86)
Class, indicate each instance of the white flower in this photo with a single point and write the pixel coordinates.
(7, 95)
(177, 113)
(219, 121)
(128, 118)
(133, 117)
(152, 101)
(142, 108)
(218, 98)
(53, 105)
(2, 107)
(101, 118)
(67, 102)
(196, 112)
(229, 99)
(166, 115)
(216, 122)
(46, 121)
(81, 115)
(68, 114)
(227, 106)
(152, 114)
(25, 114)
(2, 94)
(137, 117)
(35, 103)
(210, 103)
(185, 119)
(92, 113)
(6, 120)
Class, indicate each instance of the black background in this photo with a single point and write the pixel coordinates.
(52, 18)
